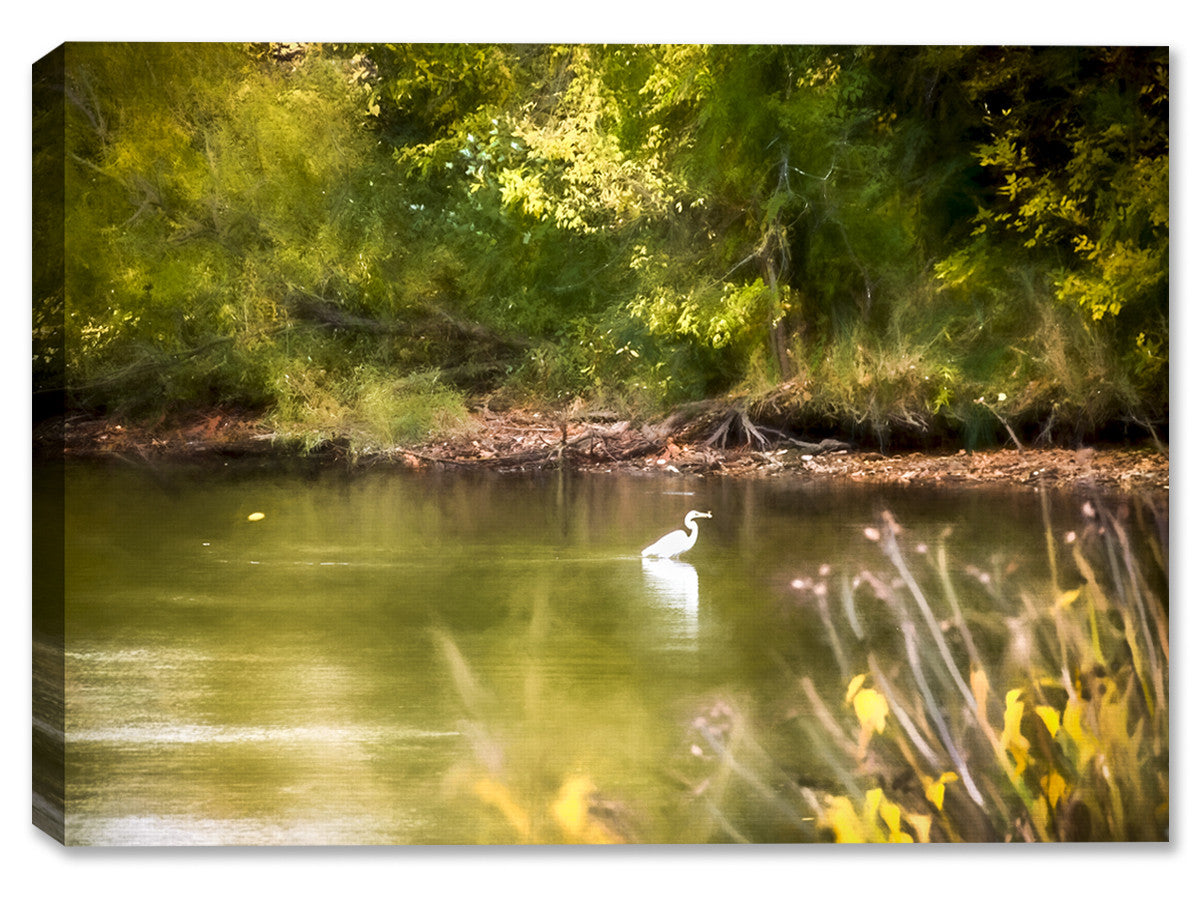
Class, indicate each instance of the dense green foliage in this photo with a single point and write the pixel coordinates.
(964, 242)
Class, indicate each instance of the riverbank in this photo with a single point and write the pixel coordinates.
(525, 440)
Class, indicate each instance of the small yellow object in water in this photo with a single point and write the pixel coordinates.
(256, 517)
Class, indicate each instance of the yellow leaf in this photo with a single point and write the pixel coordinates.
(872, 803)
(1072, 724)
(571, 810)
(935, 791)
(1011, 738)
(921, 824)
(1072, 720)
(871, 708)
(876, 804)
(1066, 598)
(1049, 715)
(890, 813)
(847, 829)
(855, 683)
(1054, 786)
(570, 807)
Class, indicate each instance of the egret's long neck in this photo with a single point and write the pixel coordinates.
(693, 530)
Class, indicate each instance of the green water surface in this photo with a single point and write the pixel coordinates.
(411, 657)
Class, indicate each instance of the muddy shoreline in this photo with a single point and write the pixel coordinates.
(530, 441)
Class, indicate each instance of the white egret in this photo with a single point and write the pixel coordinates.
(678, 541)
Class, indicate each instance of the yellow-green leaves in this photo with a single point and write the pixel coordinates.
(1013, 741)
(935, 789)
(1115, 273)
(870, 708)
(570, 812)
(890, 813)
(841, 816)
(869, 705)
(855, 684)
(877, 820)
(1106, 194)
(1066, 598)
(717, 316)
(1054, 786)
(1050, 717)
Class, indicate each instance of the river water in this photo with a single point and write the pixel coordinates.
(413, 657)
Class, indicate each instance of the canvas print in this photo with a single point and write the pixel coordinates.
(613, 444)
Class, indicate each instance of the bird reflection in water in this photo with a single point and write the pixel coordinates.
(676, 586)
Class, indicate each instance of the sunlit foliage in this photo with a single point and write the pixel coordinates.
(863, 239)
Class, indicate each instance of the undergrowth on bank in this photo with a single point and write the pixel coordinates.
(1015, 370)
(370, 407)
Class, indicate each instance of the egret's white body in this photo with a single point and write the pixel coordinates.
(678, 541)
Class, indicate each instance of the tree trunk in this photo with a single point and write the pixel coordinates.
(779, 333)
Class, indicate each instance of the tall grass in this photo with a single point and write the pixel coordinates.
(973, 370)
(973, 707)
